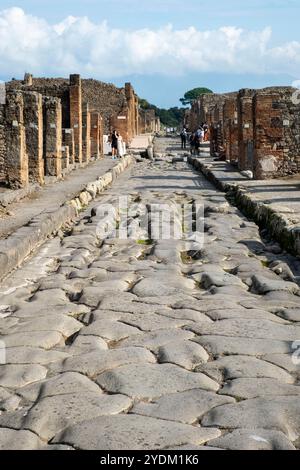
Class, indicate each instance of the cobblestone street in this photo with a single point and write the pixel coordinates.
(145, 344)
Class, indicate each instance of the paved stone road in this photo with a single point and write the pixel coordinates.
(129, 345)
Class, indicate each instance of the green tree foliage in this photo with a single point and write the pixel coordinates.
(172, 117)
(192, 95)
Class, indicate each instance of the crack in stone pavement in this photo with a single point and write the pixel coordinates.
(146, 343)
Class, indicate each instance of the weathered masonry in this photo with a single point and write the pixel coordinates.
(258, 130)
(50, 126)
(126, 122)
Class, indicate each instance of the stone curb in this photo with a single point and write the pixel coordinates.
(27, 239)
(279, 226)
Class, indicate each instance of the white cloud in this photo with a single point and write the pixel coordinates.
(79, 45)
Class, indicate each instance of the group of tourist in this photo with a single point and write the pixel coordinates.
(117, 145)
(195, 138)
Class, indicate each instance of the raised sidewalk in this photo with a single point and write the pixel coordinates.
(43, 211)
(272, 204)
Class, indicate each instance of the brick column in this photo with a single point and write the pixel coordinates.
(86, 133)
(53, 136)
(33, 120)
(95, 134)
(230, 129)
(16, 165)
(68, 140)
(245, 129)
(76, 114)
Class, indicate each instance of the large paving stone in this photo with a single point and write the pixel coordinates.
(233, 367)
(249, 439)
(35, 339)
(84, 344)
(154, 287)
(248, 328)
(218, 278)
(52, 297)
(16, 376)
(224, 345)
(185, 407)
(96, 362)
(93, 295)
(34, 309)
(126, 432)
(280, 413)
(53, 414)
(185, 314)
(152, 321)
(153, 380)
(253, 388)
(241, 312)
(62, 384)
(186, 354)
(111, 330)
(263, 285)
(204, 306)
(11, 439)
(28, 355)
(288, 362)
(65, 325)
(290, 314)
(155, 339)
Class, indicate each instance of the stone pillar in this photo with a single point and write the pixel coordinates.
(131, 110)
(65, 158)
(245, 129)
(16, 165)
(101, 135)
(68, 140)
(33, 120)
(95, 134)
(52, 136)
(76, 114)
(86, 133)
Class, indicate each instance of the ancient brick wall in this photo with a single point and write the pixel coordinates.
(95, 134)
(230, 128)
(52, 136)
(245, 129)
(53, 87)
(33, 121)
(76, 114)
(68, 141)
(86, 133)
(276, 133)
(16, 159)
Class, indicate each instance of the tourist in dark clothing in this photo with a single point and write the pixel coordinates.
(183, 136)
(192, 143)
(114, 144)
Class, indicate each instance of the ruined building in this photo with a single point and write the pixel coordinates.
(258, 130)
(49, 126)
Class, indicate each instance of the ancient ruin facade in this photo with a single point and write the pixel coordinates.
(50, 126)
(126, 122)
(258, 130)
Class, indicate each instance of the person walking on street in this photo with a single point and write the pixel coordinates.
(192, 143)
(183, 136)
(114, 144)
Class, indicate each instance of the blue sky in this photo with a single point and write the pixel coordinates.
(164, 47)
